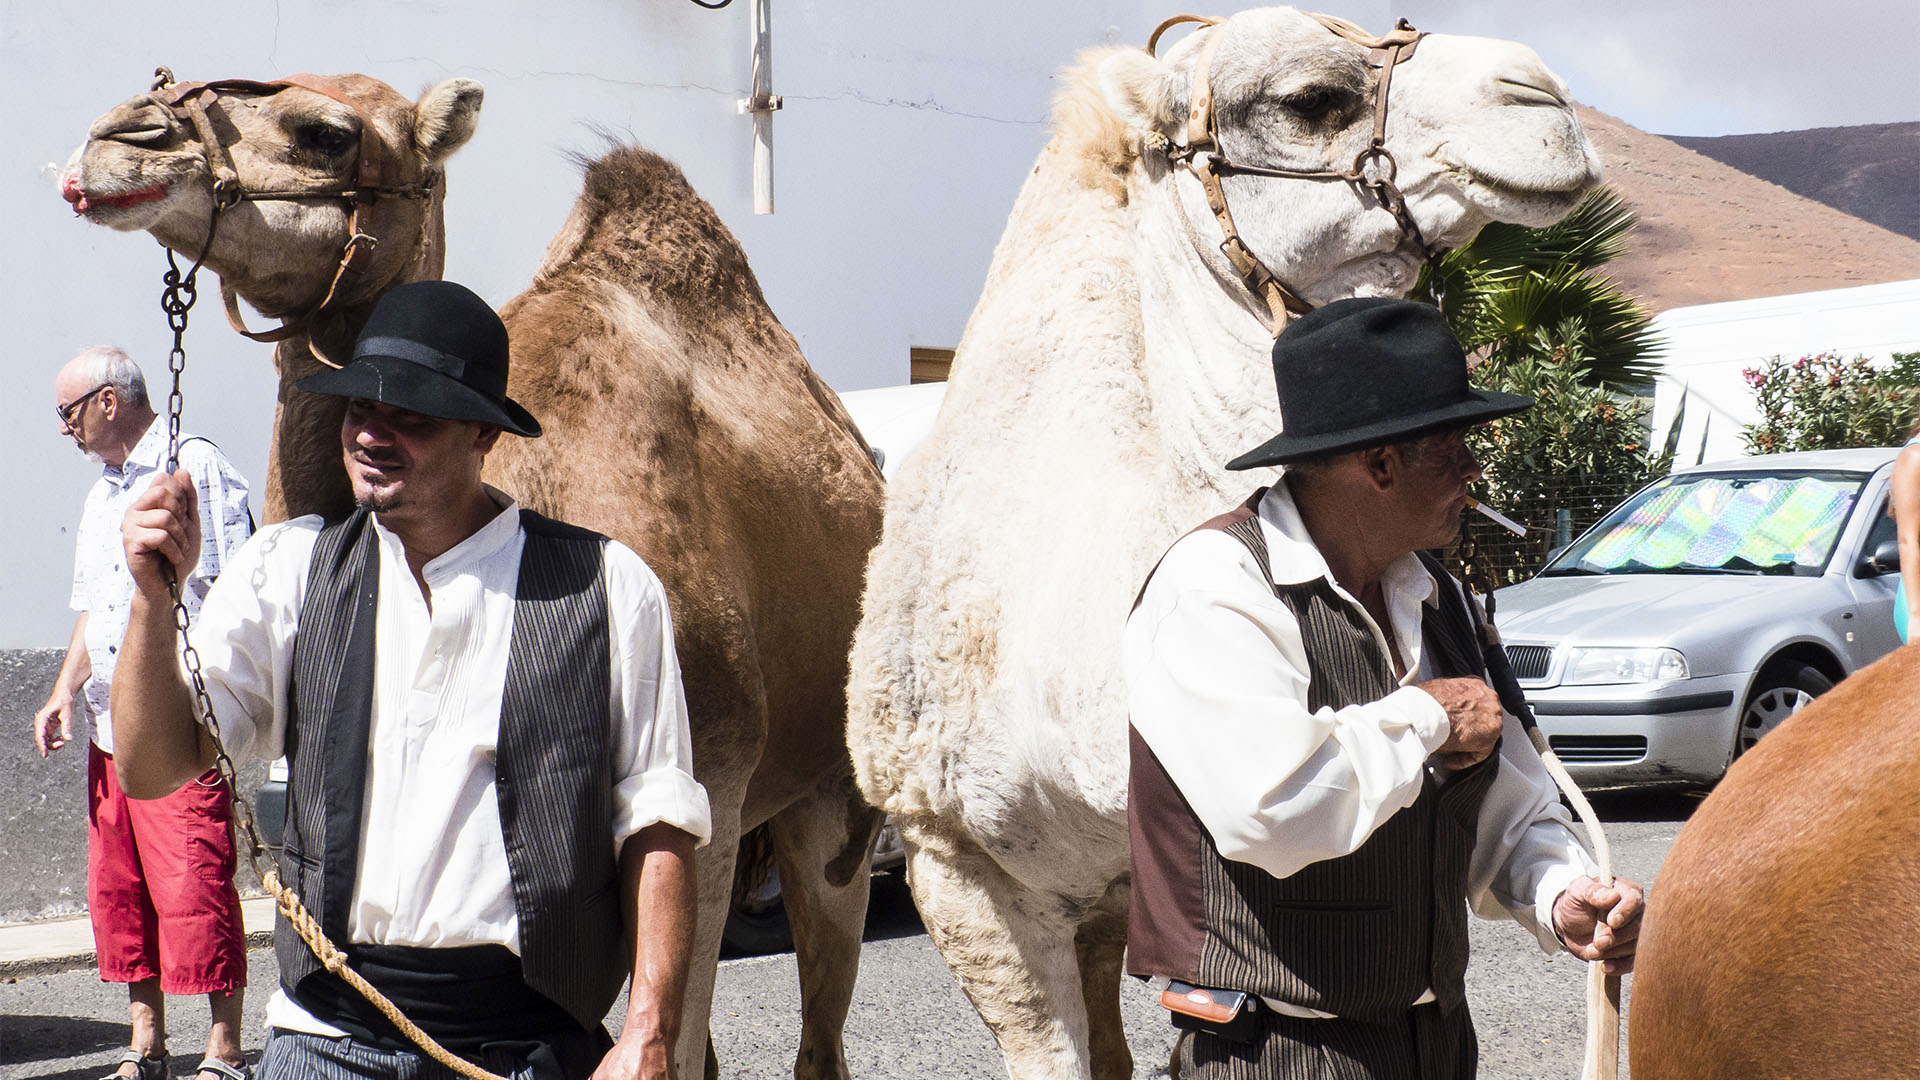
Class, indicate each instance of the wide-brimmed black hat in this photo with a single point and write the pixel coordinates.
(1363, 372)
(434, 348)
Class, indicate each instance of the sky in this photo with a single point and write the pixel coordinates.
(1711, 67)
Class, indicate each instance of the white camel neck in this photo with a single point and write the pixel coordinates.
(1208, 352)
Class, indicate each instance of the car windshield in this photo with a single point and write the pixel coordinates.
(1720, 523)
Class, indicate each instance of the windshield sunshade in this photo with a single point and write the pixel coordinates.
(1731, 523)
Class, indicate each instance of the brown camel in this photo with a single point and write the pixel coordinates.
(1779, 941)
(681, 419)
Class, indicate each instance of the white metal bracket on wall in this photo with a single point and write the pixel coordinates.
(762, 105)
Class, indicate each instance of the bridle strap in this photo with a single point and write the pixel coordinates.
(1203, 138)
(190, 101)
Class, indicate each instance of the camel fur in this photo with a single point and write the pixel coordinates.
(1779, 939)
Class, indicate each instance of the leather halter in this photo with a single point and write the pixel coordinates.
(189, 102)
(1373, 168)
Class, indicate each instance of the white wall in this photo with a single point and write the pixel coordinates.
(907, 131)
(1710, 345)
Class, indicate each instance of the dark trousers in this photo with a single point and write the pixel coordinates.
(1425, 1045)
(294, 1055)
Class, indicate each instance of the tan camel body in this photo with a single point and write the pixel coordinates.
(1114, 363)
(1779, 942)
(681, 419)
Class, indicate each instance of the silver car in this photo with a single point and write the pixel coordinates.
(1704, 610)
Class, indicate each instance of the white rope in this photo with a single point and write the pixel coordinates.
(1603, 990)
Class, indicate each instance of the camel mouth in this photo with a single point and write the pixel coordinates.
(91, 204)
(1563, 177)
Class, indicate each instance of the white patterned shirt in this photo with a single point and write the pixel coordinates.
(102, 587)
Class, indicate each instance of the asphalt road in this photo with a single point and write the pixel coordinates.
(910, 1018)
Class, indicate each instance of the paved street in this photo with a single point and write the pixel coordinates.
(910, 1019)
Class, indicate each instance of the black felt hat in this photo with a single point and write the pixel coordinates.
(434, 348)
(1363, 372)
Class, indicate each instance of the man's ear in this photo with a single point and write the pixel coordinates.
(484, 439)
(1384, 466)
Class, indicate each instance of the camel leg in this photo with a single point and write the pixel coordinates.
(823, 845)
(1101, 946)
(1012, 949)
(714, 866)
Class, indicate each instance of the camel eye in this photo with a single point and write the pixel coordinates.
(1311, 103)
(328, 139)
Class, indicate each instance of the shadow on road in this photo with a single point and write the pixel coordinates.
(28, 1038)
(1660, 804)
(890, 910)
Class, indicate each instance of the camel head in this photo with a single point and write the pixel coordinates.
(1479, 129)
(145, 166)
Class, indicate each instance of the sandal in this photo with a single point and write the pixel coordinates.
(144, 1067)
(222, 1070)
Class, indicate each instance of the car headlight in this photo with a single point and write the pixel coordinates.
(1591, 667)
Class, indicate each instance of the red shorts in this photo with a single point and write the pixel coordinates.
(160, 884)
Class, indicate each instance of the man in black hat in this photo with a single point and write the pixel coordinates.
(491, 803)
(1322, 780)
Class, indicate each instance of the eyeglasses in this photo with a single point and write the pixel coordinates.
(71, 410)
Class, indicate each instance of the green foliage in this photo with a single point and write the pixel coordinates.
(1575, 430)
(1822, 402)
(1517, 292)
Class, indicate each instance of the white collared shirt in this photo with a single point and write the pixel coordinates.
(1217, 687)
(102, 587)
(433, 866)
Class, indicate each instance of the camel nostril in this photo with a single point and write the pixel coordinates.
(145, 135)
(1525, 92)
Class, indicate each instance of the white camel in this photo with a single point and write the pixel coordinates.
(1114, 362)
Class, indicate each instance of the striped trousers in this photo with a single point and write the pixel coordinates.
(1427, 1045)
(297, 1055)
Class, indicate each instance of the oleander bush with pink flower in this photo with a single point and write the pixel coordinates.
(1829, 402)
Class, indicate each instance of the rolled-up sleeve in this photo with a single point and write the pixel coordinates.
(652, 745)
(1217, 687)
(226, 519)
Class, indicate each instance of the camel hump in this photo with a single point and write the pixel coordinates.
(639, 224)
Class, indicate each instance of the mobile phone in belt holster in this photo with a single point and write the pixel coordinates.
(1232, 1015)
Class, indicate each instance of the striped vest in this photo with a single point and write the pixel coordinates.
(1361, 936)
(553, 759)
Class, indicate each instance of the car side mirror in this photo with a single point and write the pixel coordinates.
(1884, 560)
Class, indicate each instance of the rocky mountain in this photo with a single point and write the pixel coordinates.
(1710, 232)
(1871, 171)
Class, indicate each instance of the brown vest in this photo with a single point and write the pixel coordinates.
(1360, 936)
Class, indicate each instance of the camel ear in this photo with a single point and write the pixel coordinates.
(1142, 91)
(445, 117)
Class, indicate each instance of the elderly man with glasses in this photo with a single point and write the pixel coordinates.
(166, 919)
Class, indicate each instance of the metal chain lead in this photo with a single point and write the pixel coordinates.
(177, 300)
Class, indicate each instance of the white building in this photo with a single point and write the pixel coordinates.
(1710, 346)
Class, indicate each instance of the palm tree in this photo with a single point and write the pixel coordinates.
(1516, 292)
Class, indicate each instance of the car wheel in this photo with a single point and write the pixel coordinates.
(1781, 690)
